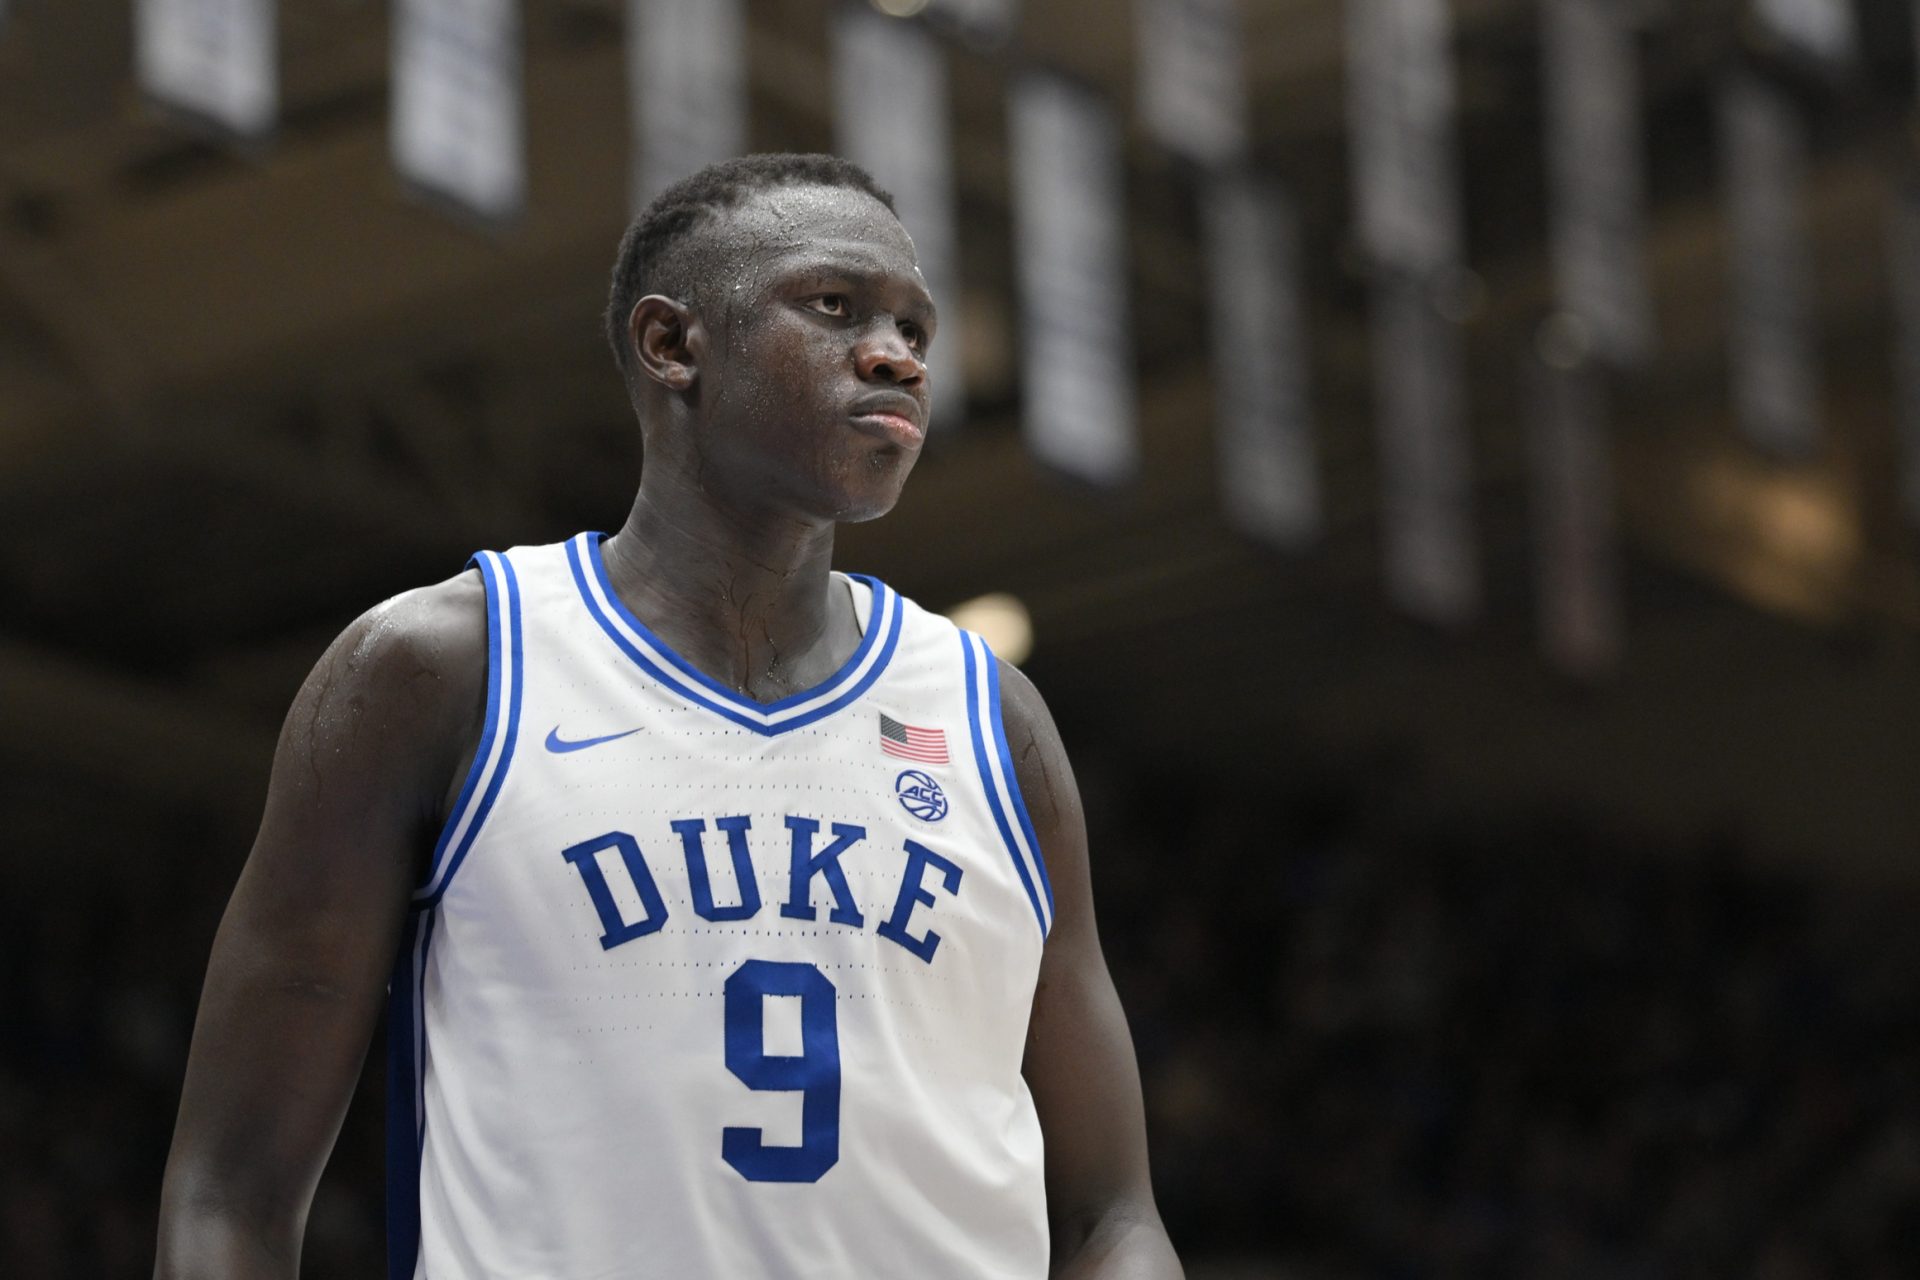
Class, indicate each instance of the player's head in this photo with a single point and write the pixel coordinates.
(766, 314)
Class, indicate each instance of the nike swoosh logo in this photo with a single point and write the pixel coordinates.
(560, 746)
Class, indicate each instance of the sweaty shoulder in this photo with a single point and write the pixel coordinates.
(439, 630)
(403, 690)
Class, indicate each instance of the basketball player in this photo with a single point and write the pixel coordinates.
(740, 907)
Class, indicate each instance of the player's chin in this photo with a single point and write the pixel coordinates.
(870, 488)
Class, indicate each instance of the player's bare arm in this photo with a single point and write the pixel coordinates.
(300, 965)
(1080, 1064)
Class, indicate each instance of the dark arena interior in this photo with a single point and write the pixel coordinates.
(1479, 587)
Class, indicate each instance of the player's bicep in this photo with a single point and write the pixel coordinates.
(1080, 1064)
(299, 966)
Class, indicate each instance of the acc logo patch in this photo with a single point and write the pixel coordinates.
(920, 795)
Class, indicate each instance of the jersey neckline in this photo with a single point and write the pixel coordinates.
(878, 640)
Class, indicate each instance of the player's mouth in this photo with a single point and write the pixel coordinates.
(896, 419)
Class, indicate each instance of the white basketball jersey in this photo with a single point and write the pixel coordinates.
(705, 987)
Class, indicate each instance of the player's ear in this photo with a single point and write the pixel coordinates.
(668, 341)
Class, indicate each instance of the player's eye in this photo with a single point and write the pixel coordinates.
(832, 304)
(916, 336)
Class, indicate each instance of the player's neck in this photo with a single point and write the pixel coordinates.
(746, 597)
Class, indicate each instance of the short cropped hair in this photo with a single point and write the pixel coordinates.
(656, 241)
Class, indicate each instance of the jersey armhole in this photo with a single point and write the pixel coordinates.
(497, 734)
(995, 761)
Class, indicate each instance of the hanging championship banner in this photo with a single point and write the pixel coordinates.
(1268, 476)
(1400, 105)
(1597, 176)
(891, 118)
(1903, 226)
(1572, 510)
(214, 59)
(990, 21)
(458, 129)
(1426, 472)
(687, 76)
(1193, 91)
(1770, 338)
(1821, 29)
(1071, 247)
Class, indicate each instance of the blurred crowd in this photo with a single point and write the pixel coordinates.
(1527, 1047)
(1373, 1046)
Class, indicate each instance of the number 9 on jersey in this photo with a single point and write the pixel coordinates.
(814, 1074)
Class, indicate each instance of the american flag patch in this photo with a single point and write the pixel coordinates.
(928, 746)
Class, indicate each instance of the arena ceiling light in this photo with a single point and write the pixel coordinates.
(999, 619)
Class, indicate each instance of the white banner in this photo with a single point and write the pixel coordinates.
(1903, 227)
(1193, 89)
(991, 21)
(891, 118)
(1426, 471)
(1072, 263)
(1576, 577)
(1400, 96)
(211, 58)
(687, 75)
(1823, 29)
(1269, 479)
(1597, 175)
(458, 128)
(1775, 382)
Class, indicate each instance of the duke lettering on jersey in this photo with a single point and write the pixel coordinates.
(803, 867)
(807, 864)
(708, 987)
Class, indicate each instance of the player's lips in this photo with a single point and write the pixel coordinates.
(892, 418)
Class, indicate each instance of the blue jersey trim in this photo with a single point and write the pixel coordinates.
(406, 1096)
(1017, 800)
(420, 1041)
(885, 598)
(488, 728)
(885, 621)
(599, 565)
(992, 789)
(504, 654)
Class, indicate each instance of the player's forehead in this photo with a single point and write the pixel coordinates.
(816, 230)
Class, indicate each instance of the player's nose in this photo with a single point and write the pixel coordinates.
(883, 355)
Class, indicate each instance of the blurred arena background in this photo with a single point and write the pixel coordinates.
(1457, 463)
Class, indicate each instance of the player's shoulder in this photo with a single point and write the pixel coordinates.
(1022, 709)
(419, 656)
(441, 627)
(1024, 714)
(1033, 740)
